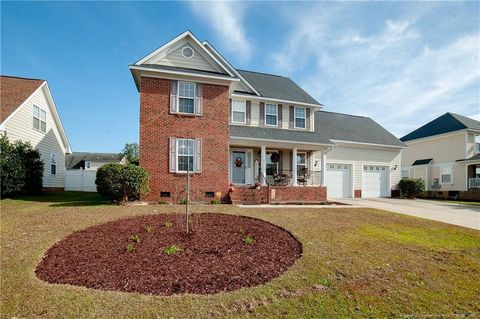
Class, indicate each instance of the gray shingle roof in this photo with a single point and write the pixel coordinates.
(474, 157)
(344, 127)
(269, 133)
(277, 87)
(77, 159)
(448, 122)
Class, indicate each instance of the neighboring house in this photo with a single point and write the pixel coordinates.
(244, 127)
(445, 152)
(28, 113)
(91, 161)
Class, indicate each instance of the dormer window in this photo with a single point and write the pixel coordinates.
(300, 117)
(271, 114)
(186, 97)
(187, 52)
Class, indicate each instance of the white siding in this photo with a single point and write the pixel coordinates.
(359, 156)
(20, 127)
(197, 62)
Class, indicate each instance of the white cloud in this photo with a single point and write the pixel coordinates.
(390, 74)
(226, 19)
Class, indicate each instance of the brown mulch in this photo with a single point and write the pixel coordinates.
(214, 256)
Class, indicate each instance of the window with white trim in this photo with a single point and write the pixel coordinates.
(446, 174)
(39, 119)
(185, 155)
(239, 111)
(300, 117)
(301, 162)
(405, 173)
(88, 164)
(271, 114)
(186, 97)
(53, 164)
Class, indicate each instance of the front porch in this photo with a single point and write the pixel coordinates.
(473, 174)
(275, 166)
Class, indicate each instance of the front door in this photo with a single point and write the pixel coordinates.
(239, 159)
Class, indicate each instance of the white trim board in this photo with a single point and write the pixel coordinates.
(261, 98)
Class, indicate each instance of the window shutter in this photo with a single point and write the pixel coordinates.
(262, 113)
(280, 115)
(248, 112)
(173, 96)
(307, 118)
(231, 110)
(173, 155)
(198, 99)
(198, 155)
(291, 119)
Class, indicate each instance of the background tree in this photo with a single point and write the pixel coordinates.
(130, 151)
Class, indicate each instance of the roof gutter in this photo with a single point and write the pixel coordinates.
(368, 144)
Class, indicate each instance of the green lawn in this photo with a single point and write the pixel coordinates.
(356, 263)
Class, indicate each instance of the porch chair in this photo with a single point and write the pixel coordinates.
(303, 176)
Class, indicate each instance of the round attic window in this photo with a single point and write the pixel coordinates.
(187, 52)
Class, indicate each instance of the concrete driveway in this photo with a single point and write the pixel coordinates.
(451, 213)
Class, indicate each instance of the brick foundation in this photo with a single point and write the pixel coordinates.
(358, 193)
(157, 125)
(301, 195)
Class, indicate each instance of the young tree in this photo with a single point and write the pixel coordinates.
(130, 151)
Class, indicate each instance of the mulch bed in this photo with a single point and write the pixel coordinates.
(214, 256)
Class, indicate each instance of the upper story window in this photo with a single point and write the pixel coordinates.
(271, 114)
(186, 97)
(185, 155)
(53, 164)
(39, 119)
(239, 111)
(300, 117)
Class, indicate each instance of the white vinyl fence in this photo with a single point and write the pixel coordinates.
(80, 180)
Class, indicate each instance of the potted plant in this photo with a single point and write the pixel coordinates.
(231, 188)
(257, 185)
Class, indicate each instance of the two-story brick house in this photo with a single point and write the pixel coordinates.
(199, 113)
(445, 152)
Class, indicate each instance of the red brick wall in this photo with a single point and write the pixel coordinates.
(358, 193)
(288, 194)
(157, 125)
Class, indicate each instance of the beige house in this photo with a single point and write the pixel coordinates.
(28, 113)
(446, 154)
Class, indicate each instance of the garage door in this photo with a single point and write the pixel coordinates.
(339, 180)
(375, 181)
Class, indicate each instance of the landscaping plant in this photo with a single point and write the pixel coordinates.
(21, 168)
(172, 250)
(411, 187)
(122, 182)
(248, 240)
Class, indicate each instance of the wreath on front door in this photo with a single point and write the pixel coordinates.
(275, 157)
(238, 162)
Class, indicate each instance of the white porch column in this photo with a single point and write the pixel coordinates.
(324, 167)
(263, 165)
(294, 167)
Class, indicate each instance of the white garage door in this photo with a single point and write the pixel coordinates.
(338, 180)
(375, 181)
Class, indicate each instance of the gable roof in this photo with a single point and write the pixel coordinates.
(448, 122)
(77, 159)
(353, 128)
(14, 91)
(277, 87)
(475, 157)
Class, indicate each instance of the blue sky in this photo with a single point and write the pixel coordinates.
(401, 63)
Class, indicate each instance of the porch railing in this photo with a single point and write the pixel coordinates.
(474, 182)
(284, 178)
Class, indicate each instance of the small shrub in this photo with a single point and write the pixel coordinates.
(248, 240)
(185, 201)
(135, 238)
(168, 224)
(172, 250)
(162, 202)
(215, 201)
(148, 228)
(130, 247)
(411, 187)
(122, 182)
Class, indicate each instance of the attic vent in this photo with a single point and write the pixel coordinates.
(187, 52)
